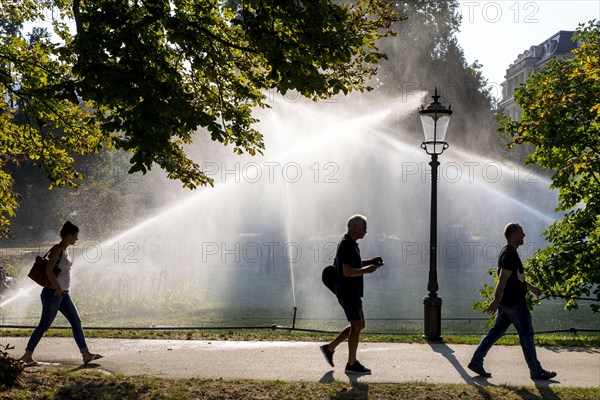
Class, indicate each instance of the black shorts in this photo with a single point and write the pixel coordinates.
(352, 307)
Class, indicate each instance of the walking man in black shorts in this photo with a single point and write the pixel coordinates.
(349, 290)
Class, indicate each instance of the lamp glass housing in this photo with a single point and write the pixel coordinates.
(435, 125)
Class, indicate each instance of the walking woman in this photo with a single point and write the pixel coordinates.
(56, 298)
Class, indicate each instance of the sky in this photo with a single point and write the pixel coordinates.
(496, 32)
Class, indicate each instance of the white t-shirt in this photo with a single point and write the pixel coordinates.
(64, 277)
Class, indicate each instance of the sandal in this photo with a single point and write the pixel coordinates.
(31, 363)
(94, 357)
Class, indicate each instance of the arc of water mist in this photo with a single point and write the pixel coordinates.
(20, 293)
(361, 119)
(404, 146)
(539, 214)
(330, 134)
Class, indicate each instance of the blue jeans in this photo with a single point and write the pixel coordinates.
(51, 305)
(520, 317)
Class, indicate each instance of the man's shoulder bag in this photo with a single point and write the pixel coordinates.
(329, 276)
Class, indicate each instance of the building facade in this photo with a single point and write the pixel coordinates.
(558, 45)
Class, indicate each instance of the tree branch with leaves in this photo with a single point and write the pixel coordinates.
(147, 77)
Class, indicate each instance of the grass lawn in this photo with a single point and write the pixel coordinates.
(91, 385)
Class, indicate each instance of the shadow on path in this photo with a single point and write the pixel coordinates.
(359, 391)
(85, 366)
(543, 387)
(327, 378)
(478, 381)
(572, 349)
(544, 392)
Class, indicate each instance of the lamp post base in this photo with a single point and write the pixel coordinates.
(433, 318)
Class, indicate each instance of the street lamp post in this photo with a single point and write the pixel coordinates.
(435, 118)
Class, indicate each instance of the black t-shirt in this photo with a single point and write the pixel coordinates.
(515, 289)
(348, 253)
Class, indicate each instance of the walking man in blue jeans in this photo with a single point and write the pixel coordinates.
(509, 301)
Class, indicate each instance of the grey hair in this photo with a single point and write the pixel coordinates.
(355, 221)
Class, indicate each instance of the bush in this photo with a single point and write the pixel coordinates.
(10, 368)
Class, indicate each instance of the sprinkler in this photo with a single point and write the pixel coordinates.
(294, 320)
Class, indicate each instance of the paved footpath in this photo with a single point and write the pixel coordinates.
(303, 361)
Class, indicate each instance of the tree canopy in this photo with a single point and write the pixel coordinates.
(143, 76)
(561, 119)
(428, 55)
